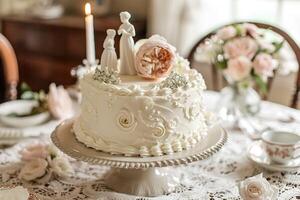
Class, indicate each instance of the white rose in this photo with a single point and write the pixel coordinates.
(181, 65)
(257, 188)
(33, 169)
(265, 45)
(61, 166)
(53, 151)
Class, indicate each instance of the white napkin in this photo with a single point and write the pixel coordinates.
(17, 193)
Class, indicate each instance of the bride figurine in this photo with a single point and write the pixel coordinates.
(127, 66)
(109, 57)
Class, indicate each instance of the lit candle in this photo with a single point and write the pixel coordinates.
(90, 42)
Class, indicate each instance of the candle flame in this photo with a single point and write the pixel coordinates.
(87, 8)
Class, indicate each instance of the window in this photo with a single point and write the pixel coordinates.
(282, 13)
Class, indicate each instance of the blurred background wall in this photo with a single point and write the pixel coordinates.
(138, 7)
(182, 22)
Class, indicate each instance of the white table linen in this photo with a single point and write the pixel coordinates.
(215, 178)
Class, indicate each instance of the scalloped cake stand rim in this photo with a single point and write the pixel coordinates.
(64, 138)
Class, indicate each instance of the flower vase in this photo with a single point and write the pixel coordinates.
(237, 101)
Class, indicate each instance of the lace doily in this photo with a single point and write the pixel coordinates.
(215, 178)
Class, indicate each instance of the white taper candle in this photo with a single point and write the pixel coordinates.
(90, 41)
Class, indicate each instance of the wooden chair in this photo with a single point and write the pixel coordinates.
(277, 30)
(10, 68)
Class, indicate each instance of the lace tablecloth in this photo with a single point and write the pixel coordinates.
(215, 178)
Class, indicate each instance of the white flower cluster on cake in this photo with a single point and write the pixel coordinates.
(174, 81)
(106, 76)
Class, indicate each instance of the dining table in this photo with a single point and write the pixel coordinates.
(215, 178)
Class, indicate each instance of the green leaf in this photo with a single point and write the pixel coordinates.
(238, 28)
(260, 83)
(244, 84)
(278, 46)
(24, 87)
(27, 95)
(42, 95)
(36, 96)
(221, 64)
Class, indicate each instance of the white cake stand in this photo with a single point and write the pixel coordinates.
(135, 175)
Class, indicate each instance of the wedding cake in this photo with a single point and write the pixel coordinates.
(149, 103)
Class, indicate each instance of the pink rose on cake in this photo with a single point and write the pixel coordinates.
(264, 65)
(238, 68)
(154, 58)
(244, 46)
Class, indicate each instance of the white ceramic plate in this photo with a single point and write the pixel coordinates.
(258, 155)
(20, 107)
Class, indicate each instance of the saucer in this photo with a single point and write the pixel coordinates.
(258, 155)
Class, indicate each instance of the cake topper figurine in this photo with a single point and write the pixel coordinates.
(109, 57)
(127, 31)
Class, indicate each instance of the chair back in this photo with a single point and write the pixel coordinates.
(216, 80)
(10, 68)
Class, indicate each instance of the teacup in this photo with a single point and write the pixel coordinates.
(280, 146)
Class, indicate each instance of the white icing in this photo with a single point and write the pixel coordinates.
(176, 145)
(144, 151)
(167, 148)
(126, 120)
(156, 150)
(186, 145)
(137, 117)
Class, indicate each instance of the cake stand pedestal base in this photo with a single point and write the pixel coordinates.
(142, 182)
(138, 176)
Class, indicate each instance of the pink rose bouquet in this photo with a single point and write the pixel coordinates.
(154, 58)
(243, 53)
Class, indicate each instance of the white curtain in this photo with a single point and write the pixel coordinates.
(176, 20)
